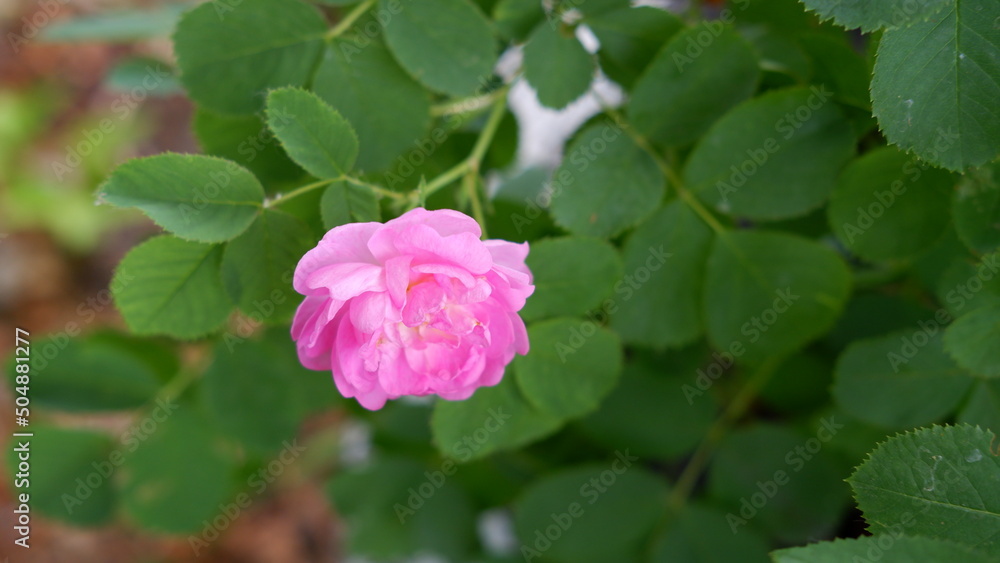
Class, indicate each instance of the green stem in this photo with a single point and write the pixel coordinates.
(465, 105)
(736, 409)
(454, 173)
(489, 131)
(347, 21)
(469, 182)
(282, 198)
(377, 189)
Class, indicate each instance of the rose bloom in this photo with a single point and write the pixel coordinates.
(416, 306)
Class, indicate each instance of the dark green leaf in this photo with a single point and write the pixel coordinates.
(557, 66)
(572, 275)
(976, 209)
(889, 548)
(972, 341)
(344, 202)
(630, 39)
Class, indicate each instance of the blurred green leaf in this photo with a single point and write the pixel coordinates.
(557, 66)
(572, 275)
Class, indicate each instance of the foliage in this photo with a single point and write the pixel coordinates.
(750, 276)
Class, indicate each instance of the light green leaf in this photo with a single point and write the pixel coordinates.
(387, 108)
(123, 26)
(889, 548)
(936, 83)
(770, 293)
(630, 39)
(572, 275)
(143, 76)
(942, 479)
(976, 209)
(572, 365)
(177, 476)
(686, 88)
(315, 135)
(199, 198)
(870, 16)
(501, 412)
(657, 399)
(886, 193)
(447, 45)
(773, 157)
(257, 266)
(557, 66)
(65, 480)
(230, 55)
(344, 202)
(893, 382)
(972, 341)
(659, 302)
(605, 184)
(604, 512)
(170, 286)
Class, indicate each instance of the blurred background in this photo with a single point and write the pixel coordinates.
(72, 106)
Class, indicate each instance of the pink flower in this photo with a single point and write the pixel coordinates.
(416, 306)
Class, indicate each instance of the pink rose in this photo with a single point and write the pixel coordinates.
(416, 306)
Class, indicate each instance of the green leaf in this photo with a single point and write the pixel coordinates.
(171, 286)
(605, 184)
(901, 380)
(595, 512)
(123, 26)
(965, 285)
(971, 341)
(557, 66)
(391, 514)
(147, 75)
(659, 302)
(176, 476)
(87, 375)
(771, 293)
(572, 365)
(889, 548)
(773, 157)
(230, 55)
(315, 135)
(344, 202)
(700, 534)
(630, 39)
(195, 197)
(387, 108)
(983, 406)
(838, 67)
(516, 18)
(688, 87)
(885, 193)
(245, 140)
(869, 16)
(257, 266)
(976, 209)
(65, 479)
(458, 425)
(780, 480)
(800, 384)
(572, 275)
(275, 386)
(936, 83)
(656, 398)
(942, 479)
(447, 45)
